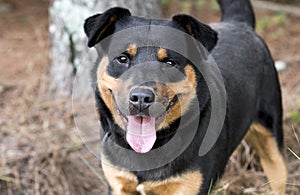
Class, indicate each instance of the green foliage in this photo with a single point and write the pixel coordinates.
(211, 5)
(187, 6)
(262, 23)
(200, 3)
(215, 5)
(164, 2)
(298, 102)
(295, 116)
(297, 138)
(280, 19)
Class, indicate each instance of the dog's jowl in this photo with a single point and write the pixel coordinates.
(149, 96)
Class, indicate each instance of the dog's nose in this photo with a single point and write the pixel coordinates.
(141, 98)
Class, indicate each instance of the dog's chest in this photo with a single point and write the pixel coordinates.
(126, 183)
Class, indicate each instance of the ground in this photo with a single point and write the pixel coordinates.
(41, 154)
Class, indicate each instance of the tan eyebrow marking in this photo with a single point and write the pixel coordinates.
(132, 49)
(162, 53)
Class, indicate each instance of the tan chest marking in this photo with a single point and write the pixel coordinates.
(187, 183)
(125, 183)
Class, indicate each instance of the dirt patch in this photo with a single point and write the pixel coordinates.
(40, 152)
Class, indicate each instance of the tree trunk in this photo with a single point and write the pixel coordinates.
(69, 53)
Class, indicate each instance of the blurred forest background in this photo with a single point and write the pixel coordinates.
(40, 150)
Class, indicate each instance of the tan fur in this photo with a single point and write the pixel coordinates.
(106, 85)
(187, 183)
(121, 181)
(132, 49)
(125, 183)
(261, 139)
(161, 54)
(186, 89)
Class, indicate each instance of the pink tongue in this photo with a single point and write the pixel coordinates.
(141, 133)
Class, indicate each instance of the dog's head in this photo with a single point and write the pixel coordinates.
(146, 89)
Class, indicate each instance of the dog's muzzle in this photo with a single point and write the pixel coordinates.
(141, 132)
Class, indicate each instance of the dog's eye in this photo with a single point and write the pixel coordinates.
(122, 59)
(170, 62)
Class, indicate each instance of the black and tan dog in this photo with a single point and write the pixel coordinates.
(126, 95)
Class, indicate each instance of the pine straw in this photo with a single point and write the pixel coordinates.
(56, 171)
(244, 174)
(67, 170)
(41, 154)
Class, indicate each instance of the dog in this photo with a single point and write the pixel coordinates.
(145, 93)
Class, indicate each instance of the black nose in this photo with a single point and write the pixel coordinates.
(141, 98)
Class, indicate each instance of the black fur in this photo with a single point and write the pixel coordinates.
(97, 23)
(237, 12)
(202, 32)
(253, 91)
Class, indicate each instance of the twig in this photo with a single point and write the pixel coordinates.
(36, 182)
(74, 148)
(293, 184)
(102, 180)
(6, 178)
(294, 153)
(295, 134)
(50, 103)
(272, 181)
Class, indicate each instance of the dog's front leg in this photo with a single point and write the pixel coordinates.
(121, 182)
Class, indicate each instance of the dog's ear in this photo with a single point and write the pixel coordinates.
(202, 32)
(99, 26)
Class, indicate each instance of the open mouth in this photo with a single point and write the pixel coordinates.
(141, 133)
(141, 129)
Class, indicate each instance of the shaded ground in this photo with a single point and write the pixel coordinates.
(39, 151)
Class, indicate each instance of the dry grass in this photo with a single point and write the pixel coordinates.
(44, 156)
(53, 160)
(41, 154)
(245, 175)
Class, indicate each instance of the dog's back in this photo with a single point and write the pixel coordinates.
(248, 71)
(247, 65)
